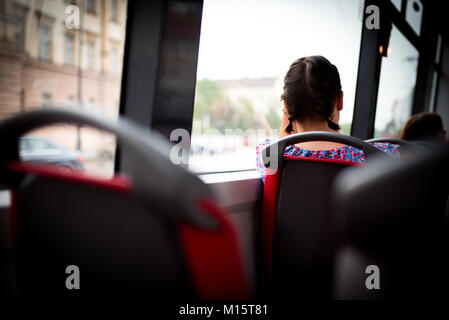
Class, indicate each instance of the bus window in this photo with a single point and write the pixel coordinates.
(52, 56)
(396, 86)
(246, 47)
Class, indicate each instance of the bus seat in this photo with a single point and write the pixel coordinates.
(130, 236)
(392, 217)
(304, 240)
(407, 148)
(298, 236)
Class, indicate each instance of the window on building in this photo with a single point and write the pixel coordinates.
(113, 61)
(22, 100)
(90, 55)
(18, 33)
(237, 103)
(44, 42)
(90, 6)
(46, 100)
(396, 86)
(113, 11)
(69, 48)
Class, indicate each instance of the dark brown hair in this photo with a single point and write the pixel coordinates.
(423, 126)
(311, 88)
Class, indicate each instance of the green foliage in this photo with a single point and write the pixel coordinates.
(209, 96)
(211, 101)
(345, 128)
(274, 117)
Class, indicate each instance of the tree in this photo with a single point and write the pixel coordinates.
(208, 96)
(274, 117)
(211, 100)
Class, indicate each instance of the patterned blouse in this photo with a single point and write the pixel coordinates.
(346, 152)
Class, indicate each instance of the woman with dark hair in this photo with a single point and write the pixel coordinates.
(312, 101)
(424, 126)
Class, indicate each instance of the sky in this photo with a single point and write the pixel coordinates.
(397, 80)
(250, 38)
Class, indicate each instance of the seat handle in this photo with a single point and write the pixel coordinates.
(275, 152)
(155, 178)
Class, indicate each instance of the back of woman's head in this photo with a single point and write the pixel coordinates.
(311, 88)
(423, 126)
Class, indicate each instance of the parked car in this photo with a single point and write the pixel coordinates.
(43, 150)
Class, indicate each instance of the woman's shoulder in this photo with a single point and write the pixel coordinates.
(345, 151)
(262, 145)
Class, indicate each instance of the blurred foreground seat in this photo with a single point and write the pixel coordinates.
(299, 235)
(392, 217)
(155, 233)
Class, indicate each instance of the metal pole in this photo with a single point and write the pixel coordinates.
(80, 75)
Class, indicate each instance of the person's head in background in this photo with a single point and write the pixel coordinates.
(425, 126)
(312, 96)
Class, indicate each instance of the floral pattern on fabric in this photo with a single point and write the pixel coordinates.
(347, 153)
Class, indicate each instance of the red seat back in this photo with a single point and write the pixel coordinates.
(122, 247)
(298, 227)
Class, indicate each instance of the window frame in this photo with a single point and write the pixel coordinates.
(436, 70)
(371, 60)
(19, 21)
(149, 41)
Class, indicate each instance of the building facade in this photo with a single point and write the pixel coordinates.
(44, 61)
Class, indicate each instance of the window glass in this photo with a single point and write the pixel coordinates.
(69, 49)
(438, 50)
(433, 91)
(90, 55)
(113, 9)
(44, 79)
(413, 15)
(19, 33)
(113, 61)
(244, 55)
(44, 39)
(396, 86)
(90, 6)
